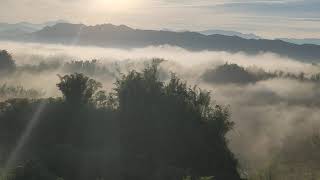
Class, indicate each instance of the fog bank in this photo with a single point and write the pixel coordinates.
(267, 113)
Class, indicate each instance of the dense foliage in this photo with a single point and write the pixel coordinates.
(229, 73)
(7, 91)
(7, 64)
(235, 74)
(144, 129)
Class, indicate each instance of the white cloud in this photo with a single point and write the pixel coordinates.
(265, 112)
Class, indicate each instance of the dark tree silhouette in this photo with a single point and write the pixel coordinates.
(77, 88)
(31, 170)
(145, 129)
(233, 73)
(171, 126)
(7, 64)
(229, 73)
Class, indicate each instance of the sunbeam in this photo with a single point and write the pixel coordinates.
(24, 137)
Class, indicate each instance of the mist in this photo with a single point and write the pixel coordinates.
(267, 113)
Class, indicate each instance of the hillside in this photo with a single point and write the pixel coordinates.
(108, 35)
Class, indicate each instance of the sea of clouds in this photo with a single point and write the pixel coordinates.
(266, 113)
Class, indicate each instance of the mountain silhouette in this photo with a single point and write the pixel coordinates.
(13, 31)
(230, 33)
(108, 35)
(302, 41)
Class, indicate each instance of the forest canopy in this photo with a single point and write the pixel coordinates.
(7, 64)
(143, 129)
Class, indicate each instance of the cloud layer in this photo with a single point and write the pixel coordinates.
(267, 113)
(275, 18)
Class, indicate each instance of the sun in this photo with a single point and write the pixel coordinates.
(115, 5)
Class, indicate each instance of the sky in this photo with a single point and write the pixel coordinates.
(266, 18)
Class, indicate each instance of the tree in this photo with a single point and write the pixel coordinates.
(7, 64)
(31, 170)
(148, 129)
(229, 73)
(78, 89)
(171, 126)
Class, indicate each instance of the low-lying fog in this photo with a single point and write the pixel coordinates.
(269, 113)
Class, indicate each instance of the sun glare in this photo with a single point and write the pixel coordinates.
(115, 5)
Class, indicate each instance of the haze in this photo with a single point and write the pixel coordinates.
(159, 89)
(269, 19)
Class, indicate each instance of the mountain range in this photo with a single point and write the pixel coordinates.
(108, 35)
(8, 31)
(302, 41)
(253, 36)
(230, 33)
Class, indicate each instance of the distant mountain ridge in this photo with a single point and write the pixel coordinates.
(314, 41)
(8, 31)
(230, 33)
(108, 35)
(302, 41)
